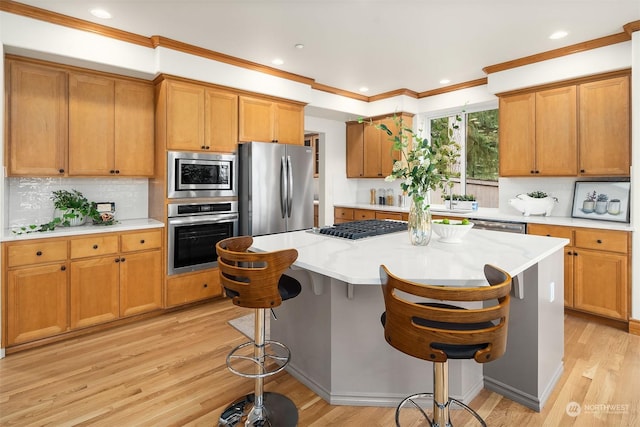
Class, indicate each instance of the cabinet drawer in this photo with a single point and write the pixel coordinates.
(95, 245)
(140, 241)
(604, 240)
(397, 216)
(194, 287)
(551, 231)
(343, 213)
(36, 253)
(360, 214)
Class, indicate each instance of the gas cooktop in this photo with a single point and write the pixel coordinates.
(366, 228)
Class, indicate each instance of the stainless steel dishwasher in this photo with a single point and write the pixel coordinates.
(495, 225)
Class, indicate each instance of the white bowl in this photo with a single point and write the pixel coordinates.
(452, 232)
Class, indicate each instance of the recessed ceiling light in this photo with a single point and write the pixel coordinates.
(558, 35)
(277, 61)
(100, 13)
(299, 46)
(364, 89)
(445, 81)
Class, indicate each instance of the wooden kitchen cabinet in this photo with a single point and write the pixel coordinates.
(341, 215)
(596, 269)
(192, 287)
(37, 120)
(369, 149)
(605, 137)
(200, 118)
(538, 133)
(581, 129)
(36, 291)
(261, 119)
(93, 291)
(111, 125)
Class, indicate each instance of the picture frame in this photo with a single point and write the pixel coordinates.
(601, 200)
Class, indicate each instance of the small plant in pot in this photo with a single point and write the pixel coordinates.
(589, 203)
(601, 204)
(72, 207)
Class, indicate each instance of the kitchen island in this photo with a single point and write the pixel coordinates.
(333, 327)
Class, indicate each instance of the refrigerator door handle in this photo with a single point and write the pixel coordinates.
(289, 186)
(284, 196)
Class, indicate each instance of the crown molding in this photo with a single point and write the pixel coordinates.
(631, 27)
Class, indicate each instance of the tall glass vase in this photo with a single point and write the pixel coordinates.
(419, 224)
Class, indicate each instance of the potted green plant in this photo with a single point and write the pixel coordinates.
(589, 203)
(461, 202)
(601, 204)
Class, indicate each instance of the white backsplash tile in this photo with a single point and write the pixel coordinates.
(30, 198)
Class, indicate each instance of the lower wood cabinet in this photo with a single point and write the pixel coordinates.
(596, 276)
(193, 287)
(57, 285)
(342, 215)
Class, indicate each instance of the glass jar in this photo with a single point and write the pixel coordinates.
(419, 224)
(390, 201)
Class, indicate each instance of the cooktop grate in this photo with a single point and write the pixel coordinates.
(366, 228)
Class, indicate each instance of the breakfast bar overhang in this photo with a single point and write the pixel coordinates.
(336, 339)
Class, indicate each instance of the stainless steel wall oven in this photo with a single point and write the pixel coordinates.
(201, 175)
(194, 230)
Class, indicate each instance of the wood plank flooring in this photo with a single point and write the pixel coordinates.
(170, 371)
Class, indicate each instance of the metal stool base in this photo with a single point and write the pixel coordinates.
(410, 400)
(278, 411)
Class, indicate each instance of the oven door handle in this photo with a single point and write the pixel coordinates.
(215, 219)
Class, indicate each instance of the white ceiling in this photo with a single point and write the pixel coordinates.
(382, 44)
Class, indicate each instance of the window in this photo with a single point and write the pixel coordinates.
(477, 171)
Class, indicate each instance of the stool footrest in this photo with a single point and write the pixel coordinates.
(274, 358)
(411, 400)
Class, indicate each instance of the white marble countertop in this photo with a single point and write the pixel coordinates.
(119, 226)
(358, 261)
(496, 214)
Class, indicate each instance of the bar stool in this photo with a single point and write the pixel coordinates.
(437, 331)
(256, 280)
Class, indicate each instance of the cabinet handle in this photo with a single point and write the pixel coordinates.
(548, 235)
(117, 171)
(206, 147)
(95, 246)
(575, 254)
(112, 171)
(599, 241)
(123, 259)
(569, 253)
(537, 171)
(142, 241)
(61, 170)
(117, 260)
(63, 268)
(582, 170)
(205, 286)
(202, 147)
(532, 171)
(39, 253)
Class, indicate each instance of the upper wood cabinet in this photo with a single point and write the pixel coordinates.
(574, 130)
(370, 151)
(605, 138)
(200, 118)
(538, 133)
(110, 126)
(261, 119)
(37, 120)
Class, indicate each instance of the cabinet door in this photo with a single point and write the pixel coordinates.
(221, 121)
(185, 116)
(601, 283)
(255, 120)
(372, 163)
(37, 302)
(134, 129)
(605, 138)
(37, 120)
(140, 282)
(556, 140)
(517, 135)
(91, 125)
(355, 150)
(94, 291)
(289, 123)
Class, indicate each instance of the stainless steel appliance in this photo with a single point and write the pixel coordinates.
(201, 175)
(495, 225)
(275, 188)
(194, 230)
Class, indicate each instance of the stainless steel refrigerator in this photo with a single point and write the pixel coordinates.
(275, 191)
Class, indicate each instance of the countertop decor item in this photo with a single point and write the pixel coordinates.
(601, 200)
(424, 166)
(534, 203)
(451, 230)
(70, 208)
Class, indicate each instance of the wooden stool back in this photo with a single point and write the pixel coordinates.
(447, 325)
(253, 276)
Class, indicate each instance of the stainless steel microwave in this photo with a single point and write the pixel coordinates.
(191, 175)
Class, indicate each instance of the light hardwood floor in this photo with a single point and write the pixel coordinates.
(170, 371)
